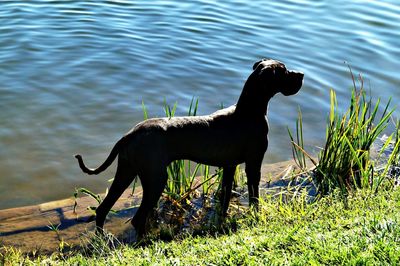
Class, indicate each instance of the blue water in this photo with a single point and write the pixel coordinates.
(73, 74)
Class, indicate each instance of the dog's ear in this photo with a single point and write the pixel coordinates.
(257, 63)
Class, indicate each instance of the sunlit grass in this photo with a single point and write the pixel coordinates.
(366, 231)
(345, 161)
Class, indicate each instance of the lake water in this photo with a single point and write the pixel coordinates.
(73, 74)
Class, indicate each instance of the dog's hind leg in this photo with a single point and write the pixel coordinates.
(123, 177)
(153, 183)
(226, 191)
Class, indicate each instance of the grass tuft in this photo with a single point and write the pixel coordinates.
(345, 162)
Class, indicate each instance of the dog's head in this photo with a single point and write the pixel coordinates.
(275, 74)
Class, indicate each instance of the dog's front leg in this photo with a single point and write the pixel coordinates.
(253, 172)
(226, 191)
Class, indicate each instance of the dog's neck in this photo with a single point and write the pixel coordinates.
(252, 100)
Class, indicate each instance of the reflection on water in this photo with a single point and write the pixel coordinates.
(73, 74)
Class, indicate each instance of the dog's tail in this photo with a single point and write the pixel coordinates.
(111, 157)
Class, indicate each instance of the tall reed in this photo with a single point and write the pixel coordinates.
(345, 161)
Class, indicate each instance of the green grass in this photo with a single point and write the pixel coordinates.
(345, 161)
(366, 231)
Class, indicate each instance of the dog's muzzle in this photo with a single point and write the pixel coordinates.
(294, 81)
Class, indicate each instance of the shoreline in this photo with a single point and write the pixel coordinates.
(43, 226)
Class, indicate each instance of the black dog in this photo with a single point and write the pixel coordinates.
(226, 138)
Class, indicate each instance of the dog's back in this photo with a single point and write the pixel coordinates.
(218, 139)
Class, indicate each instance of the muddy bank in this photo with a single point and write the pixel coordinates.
(31, 228)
